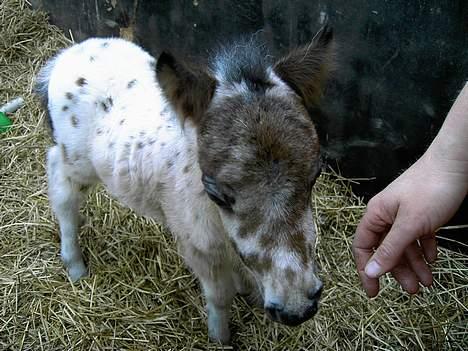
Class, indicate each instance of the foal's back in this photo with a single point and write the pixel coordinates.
(109, 120)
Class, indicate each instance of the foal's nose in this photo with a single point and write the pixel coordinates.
(278, 313)
(314, 294)
(274, 311)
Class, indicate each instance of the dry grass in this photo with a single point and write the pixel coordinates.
(139, 295)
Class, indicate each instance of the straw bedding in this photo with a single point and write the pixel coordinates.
(139, 295)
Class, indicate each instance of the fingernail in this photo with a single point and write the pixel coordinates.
(373, 270)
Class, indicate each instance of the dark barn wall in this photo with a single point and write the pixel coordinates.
(400, 63)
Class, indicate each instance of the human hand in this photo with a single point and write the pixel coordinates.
(401, 221)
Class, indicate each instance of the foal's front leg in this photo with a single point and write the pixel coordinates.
(214, 270)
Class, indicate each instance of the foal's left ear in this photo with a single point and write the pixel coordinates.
(306, 68)
(188, 89)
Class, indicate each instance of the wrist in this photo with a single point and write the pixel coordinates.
(446, 167)
(449, 150)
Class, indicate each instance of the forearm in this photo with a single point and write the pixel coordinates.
(449, 149)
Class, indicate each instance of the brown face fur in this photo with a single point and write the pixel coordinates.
(263, 151)
(259, 155)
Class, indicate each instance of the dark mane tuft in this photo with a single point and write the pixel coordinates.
(243, 60)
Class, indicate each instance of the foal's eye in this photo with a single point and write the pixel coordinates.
(222, 200)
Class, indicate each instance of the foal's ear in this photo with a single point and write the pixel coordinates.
(189, 90)
(306, 68)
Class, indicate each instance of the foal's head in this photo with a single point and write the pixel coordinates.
(259, 155)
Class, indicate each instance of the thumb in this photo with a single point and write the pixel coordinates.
(389, 252)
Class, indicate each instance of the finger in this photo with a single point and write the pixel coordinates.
(404, 275)
(363, 248)
(361, 256)
(429, 247)
(369, 233)
(370, 285)
(371, 229)
(388, 254)
(415, 259)
(363, 245)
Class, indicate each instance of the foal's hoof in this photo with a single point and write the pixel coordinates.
(77, 272)
(220, 335)
(218, 327)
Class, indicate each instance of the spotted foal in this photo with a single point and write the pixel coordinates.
(225, 156)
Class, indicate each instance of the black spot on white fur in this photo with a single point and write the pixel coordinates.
(81, 82)
(64, 153)
(107, 104)
(131, 84)
(69, 96)
(74, 121)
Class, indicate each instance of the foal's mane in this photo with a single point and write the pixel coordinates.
(243, 60)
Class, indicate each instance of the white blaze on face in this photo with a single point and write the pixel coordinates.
(248, 245)
(284, 259)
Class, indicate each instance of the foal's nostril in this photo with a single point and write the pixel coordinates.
(310, 311)
(316, 293)
(274, 310)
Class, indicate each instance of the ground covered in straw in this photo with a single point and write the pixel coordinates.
(139, 295)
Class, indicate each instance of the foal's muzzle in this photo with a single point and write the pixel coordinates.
(277, 313)
(292, 320)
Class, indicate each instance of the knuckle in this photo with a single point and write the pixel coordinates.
(386, 252)
(374, 202)
(413, 228)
